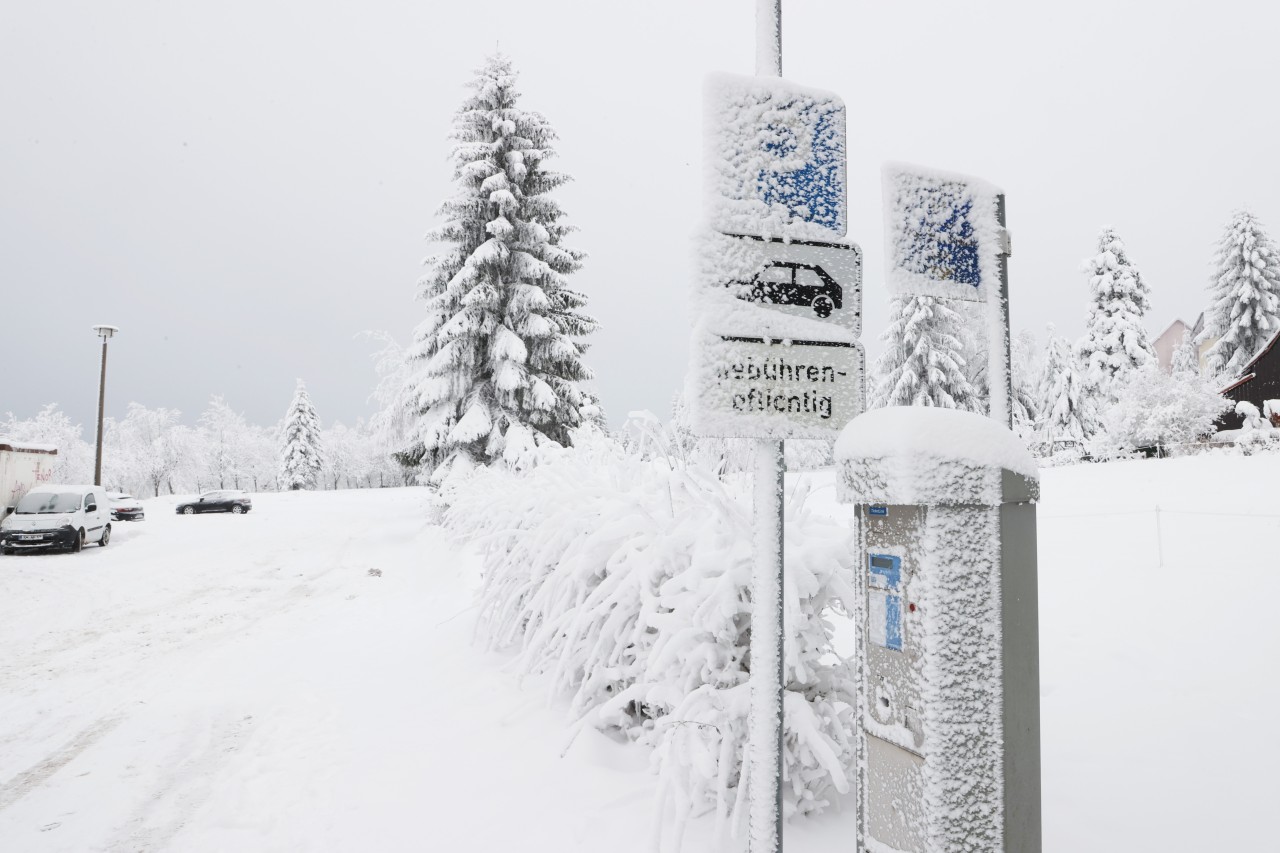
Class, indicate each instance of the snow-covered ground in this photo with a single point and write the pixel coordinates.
(221, 683)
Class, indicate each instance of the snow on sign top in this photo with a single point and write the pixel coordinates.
(942, 232)
(776, 158)
(927, 431)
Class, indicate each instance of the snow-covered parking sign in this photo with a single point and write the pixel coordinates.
(776, 157)
(943, 233)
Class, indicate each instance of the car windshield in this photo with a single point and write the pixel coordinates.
(47, 503)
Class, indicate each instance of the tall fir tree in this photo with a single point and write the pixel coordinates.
(496, 364)
(922, 364)
(1244, 310)
(1066, 411)
(1115, 339)
(302, 454)
(1186, 357)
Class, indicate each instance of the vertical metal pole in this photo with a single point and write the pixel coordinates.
(102, 394)
(765, 729)
(764, 735)
(999, 372)
(768, 38)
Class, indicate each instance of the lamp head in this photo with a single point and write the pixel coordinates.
(105, 332)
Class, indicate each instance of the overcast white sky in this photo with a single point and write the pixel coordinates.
(242, 187)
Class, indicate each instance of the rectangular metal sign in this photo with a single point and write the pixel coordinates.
(943, 234)
(775, 158)
(752, 387)
(800, 278)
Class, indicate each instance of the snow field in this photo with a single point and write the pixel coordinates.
(223, 683)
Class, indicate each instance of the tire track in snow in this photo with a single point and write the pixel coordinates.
(186, 784)
(22, 784)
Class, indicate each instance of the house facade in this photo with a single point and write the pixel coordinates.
(1167, 344)
(1258, 382)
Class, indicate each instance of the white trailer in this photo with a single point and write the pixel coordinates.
(21, 467)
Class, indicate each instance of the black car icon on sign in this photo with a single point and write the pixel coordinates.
(791, 283)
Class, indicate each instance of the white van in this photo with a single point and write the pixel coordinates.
(51, 516)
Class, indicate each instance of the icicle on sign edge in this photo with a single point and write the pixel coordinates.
(943, 235)
(776, 156)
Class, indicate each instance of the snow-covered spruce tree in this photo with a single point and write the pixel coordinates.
(922, 363)
(1186, 357)
(1115, 340)
(1065, 410)
(1244, 310)
(1024, 379)
(301, 452)
(496, 363)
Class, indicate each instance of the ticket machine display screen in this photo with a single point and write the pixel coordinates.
(884, 601)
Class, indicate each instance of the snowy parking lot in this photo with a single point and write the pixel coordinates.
(302, 678)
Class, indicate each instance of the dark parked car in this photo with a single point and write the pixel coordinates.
(788, 283)
(228, 500)
(125, 507)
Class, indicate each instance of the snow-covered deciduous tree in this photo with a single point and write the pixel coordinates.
(1115, 340)
(152, 450)
(1154, 409)
(922, 364)
(51, 426)
(496, 362)
(1066, 413)
(225, 437)
(1244, 309)
(302, 457)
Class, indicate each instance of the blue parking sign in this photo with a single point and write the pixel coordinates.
(776, 158)
(943, 234)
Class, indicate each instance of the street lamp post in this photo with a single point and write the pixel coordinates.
(104, 332)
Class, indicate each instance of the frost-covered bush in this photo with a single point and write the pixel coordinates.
(1154, 408)
(626, 580)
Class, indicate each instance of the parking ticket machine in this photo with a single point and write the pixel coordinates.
(948, 693)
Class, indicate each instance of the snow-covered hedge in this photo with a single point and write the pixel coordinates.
(626, 579)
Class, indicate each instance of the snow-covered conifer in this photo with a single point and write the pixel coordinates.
(1065, 410)
(301, 453)
(922, 364)
(1186, 357)
(496, 363)
(1245, 295)
(1115, 339)
(1024, 380)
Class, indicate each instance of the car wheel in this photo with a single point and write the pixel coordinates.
(237, 509)
(106, 537)
(8, 552)
(757, 294)
(823, 306)
(78, 543)
(190, 510)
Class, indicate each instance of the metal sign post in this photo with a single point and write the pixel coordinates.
(775, 350)
(764, 735)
